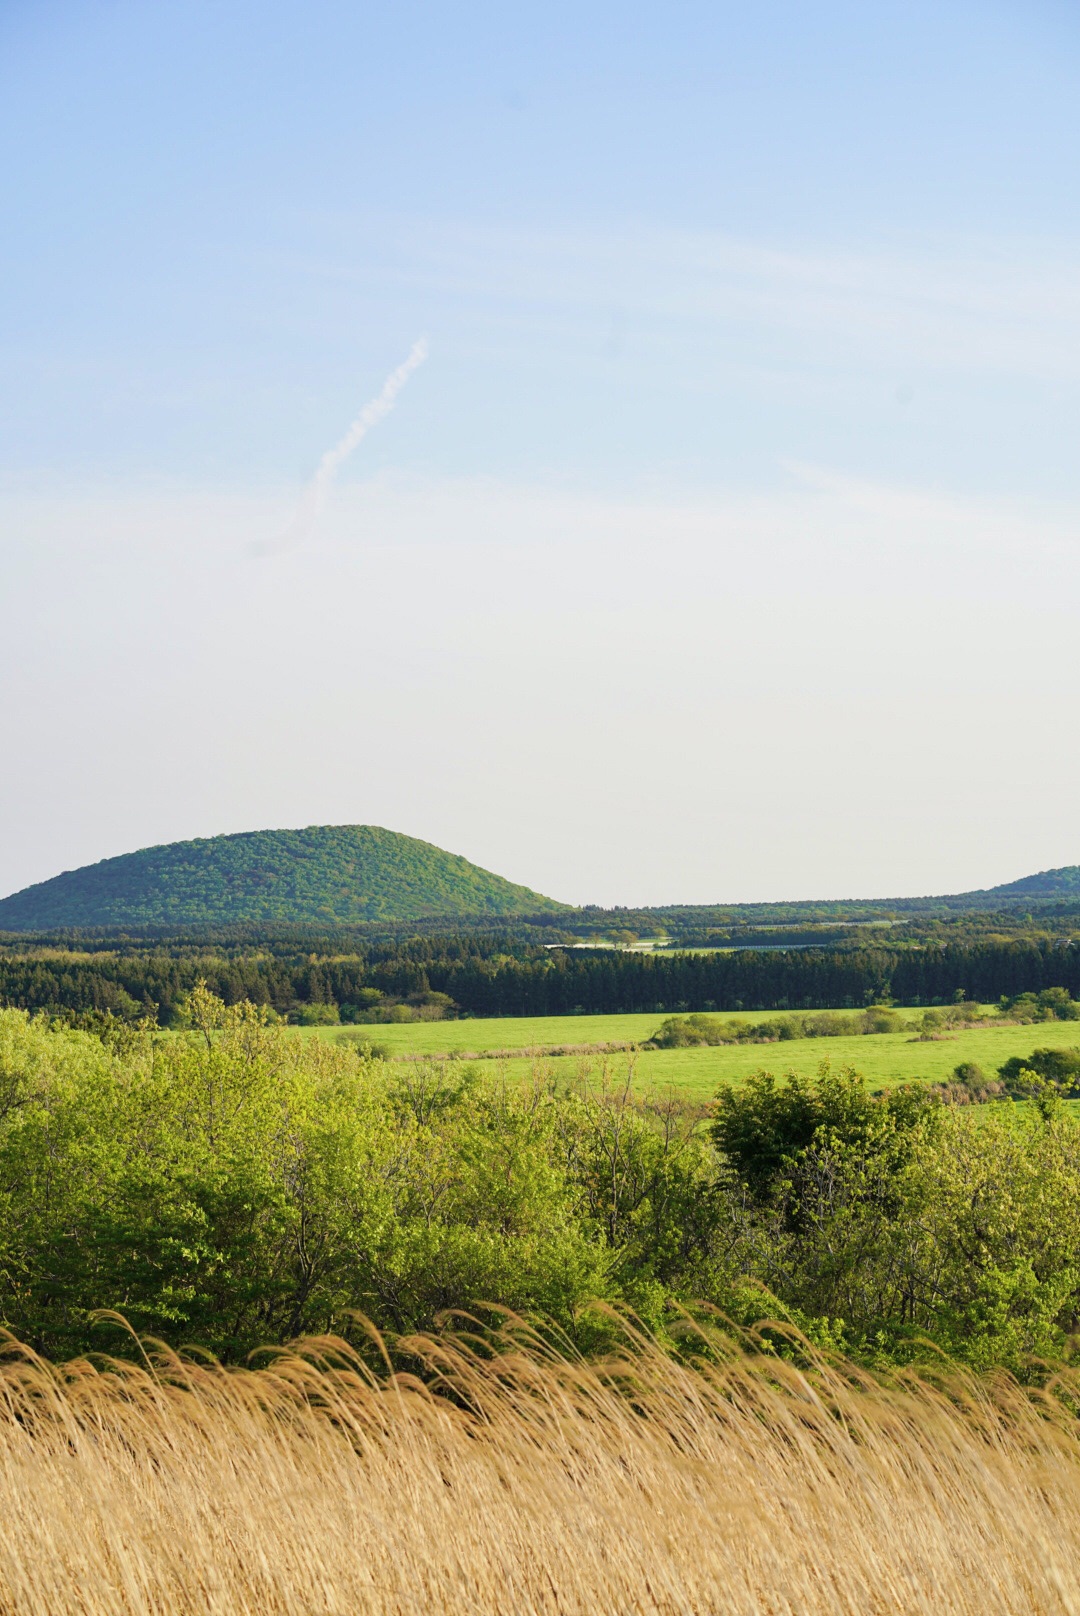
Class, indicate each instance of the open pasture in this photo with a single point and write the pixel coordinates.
(885, 1059)
(481, 1035)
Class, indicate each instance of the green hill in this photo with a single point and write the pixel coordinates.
(327, 873)
(1063, 883)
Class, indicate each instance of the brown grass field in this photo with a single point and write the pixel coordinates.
(544, 1484)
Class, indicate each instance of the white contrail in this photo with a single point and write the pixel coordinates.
(314, 499)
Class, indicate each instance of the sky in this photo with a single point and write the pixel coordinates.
(725, 545)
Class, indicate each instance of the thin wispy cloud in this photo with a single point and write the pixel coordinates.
(973, 303)
(315, 495)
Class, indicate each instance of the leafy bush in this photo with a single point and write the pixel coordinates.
(1052, 1004)
(970, 1073)
(969, 1085)
(766, 1125)
(362, 1009)
(1059, 1067)
(373, 1008)
(682, 1032)
(317, 1015)
(233, 1186)
(361, 1042)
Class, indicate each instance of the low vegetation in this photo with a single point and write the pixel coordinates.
(686, 1032)
(235, 1185)
(504, 1475)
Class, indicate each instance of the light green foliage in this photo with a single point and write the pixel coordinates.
(237, 1184)
(1058, 1069)
(945, 1019)
(898, 1218)
(982, 1246)
(663, 1199)
(766, 1126)
(683, 1032)
(371, 1007)
(318, 1015)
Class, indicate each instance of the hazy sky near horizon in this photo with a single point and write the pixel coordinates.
(726, 545)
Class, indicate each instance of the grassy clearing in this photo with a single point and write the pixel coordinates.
(741, 1486)
(886, 1059)
(518, 1032)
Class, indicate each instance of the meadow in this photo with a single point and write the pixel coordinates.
(512, 1032)
(884, 1059)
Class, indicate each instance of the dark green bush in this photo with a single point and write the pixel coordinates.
(1051, 1004)
(1061, 1067)
(764, 1126)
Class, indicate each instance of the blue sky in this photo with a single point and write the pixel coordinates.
(724, 547)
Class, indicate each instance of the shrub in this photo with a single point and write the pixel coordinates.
(233, 1185)
(970, 1085)
(970, 1073)
(1051, 1004)
(361, 1009)
(1060, 1067)
(361, 1042)
(830, 1024)
(880, 1018)
(764, 1126)
(317, 1015)
(681, 1032)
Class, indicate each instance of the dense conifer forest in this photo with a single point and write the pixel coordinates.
(499, 974)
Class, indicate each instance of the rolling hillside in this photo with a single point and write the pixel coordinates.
(1063, 883)
(347, 875)
(324, 874)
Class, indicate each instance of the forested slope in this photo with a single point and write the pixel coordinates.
(325, 874)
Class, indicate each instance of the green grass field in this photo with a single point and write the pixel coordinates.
(518, 1032)
(885, 1058)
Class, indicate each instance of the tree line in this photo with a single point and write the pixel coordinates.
(484, 976)
(805, 979)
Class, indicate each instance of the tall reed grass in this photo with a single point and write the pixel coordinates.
(530, 1482)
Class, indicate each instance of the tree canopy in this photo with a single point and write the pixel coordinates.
(324, 875)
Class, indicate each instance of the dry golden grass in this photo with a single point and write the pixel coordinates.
(642, 1486)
